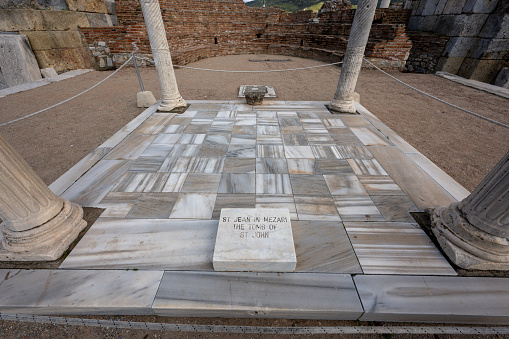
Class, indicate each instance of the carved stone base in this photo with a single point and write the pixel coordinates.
(342, 106)
(466, 245)
(45, 242)
(168, 105)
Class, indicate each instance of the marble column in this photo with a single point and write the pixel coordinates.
(352, 62)
(161, 53)
(37, 224)
(474, 233)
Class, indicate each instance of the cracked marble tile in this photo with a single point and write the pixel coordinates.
(395, 208)
(273, 184)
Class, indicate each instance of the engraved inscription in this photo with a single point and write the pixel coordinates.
(252, 227)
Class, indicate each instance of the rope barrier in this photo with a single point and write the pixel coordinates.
(228, 71)
(62, 102)
(442, 101)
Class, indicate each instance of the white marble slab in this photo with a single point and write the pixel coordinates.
(131, 147)
(78, 291)
(254, 239)
(299, 152)
(473, 300)
(396, 248)
(193, 206)
(258, 295)
(166, 139)
(160, 244)
(369, 136)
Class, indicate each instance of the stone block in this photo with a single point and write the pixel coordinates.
(429, 7)
(59, 5)
(454, 6)
(477, 51)
(440, 7)
(99, 20)
(415, 23)
(3, 81)
(468, 67)
(48, 72)
(145, 99)
(473, 24)
(450, 25)
(476, 6)
(64, 59)
(459, 46)
(428, 23)
(502, 79)
(449, 65)
(110, 5)
(496, 26)
(497, 49)
(91, 6)
(254, 239)
(17, 61)
(487, 70)
(255, 94)
(43, 40)
(15, 20)
(62, 20)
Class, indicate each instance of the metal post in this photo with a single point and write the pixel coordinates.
(138, 73)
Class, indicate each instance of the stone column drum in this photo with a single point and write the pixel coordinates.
(161, 53)
(37, 224)
(474, 233)
(352, 62)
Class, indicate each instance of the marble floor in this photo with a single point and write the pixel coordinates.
(348, 181)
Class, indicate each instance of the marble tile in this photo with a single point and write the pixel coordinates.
(201, 183)
(197, 128)
(248, 121)
(266, 114)
(271, 165)
(457, 191)
(270, 151)
(141, 182)
(277, 201)
(239, 165)
(244, 129)
(131, 147)
(78, 291)
(267, 130)
(330, 122)
(369, 136)
(226, 114)
(355, 120)
(273, 184)
(367, 167)
(344, 184)
(174, 129)
(115, 210)
(354, 152)
(193, 206)
(416, 183)
(219, 126)
(332, 166)
(357, 208)
(396, 248)
(291, 130)
(180, 120)
(217, 139)
(194, 165)
(323, 246)
(315, 130)
(147, 164)
(191, 139)
(326, 152)
(320, 139)
(213, 150)
(301, 166)
(299, 152)
(286, 121)
(206, 120)
(69, 177)
(153, 206)
(434, 299)
(204, 294)
(243, 139)
(307, 115)
(167, 139)
(241, 151)
(232, 201)
(157, 151)
(91, 188)
(395, 208)
(380, 185)
(175, 182)
(344, 137)
(184, 151)
(295, 140)
(204, 114)
(309, 184)
(145, 244)
(314, 207)
(237, 183)
(120, 197)
(155, 124)
(288, 114)
(269, 140)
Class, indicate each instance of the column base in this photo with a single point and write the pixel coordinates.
(168, 105)
(46, 242)
(466, 245)
(342, 106)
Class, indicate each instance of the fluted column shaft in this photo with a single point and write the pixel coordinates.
(352, 62)
(171, 97)
(36, 223)
(474, 232)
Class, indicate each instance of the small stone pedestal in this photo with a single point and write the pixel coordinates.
(254, 239)
(255, 94)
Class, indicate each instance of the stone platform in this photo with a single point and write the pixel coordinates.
(348, 181)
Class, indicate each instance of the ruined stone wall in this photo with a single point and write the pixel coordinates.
(208, 28)
(477, 33)
(52, 28)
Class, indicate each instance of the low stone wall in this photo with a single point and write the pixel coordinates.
(427, 48)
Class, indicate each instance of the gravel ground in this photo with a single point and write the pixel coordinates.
(464, 146)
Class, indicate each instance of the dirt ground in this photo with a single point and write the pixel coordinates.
(464, 146)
